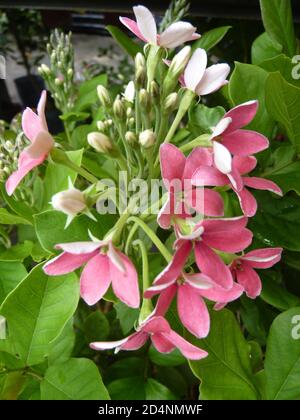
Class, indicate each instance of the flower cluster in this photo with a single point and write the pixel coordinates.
(209, 260)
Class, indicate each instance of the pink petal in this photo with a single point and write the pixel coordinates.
(31, 124)
(174, 268)
(125, 284)
(234, 224)
(263, 258)
(213, 79)
(176, 34)
(161, 344)
(166, 213)
(207, 202)
(41, 109)
(66, 263)
(209, 176)
(25, 165)
(135, 341)
(172, 163)
(199, 281)
(221, 127)
(146, 24)
(244, 164)
(195, 69)
(230, 242)
(84, 247)
(218, 294)
(95, 279)
(156, 325)
(249, 279)
(262, 184)
(132, 26)
(165, 299)
(41, 145)
(235, 179)
(245, 142)
(199, 156)
(212, 265)
(188, 350)
(241, 115)
(248, 202)
(192, 311)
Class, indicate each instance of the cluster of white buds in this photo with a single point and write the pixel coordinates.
(9, 154)
(59, 77)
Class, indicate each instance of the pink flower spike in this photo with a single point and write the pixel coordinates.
(162, 336)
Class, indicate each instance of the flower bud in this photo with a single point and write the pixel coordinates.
(119, 109)
(147, 138)
(70, 202)
(58, 81)
(170, 102)
(144, 99)
(104, 96)
(130, 137)
(100, 142)
(131, 122)
(70, 73)
(140, 69)
(180, 61)
(154, 89)
(129, 92)
(101, 126)
(139, 60)
(44, 69)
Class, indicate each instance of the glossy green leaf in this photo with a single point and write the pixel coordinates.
(277, 295)
(87, 95)
(96, 327)
(37, 311)
(126, 43)
(19, 207)
(211, 38)
(17, 252)
(127, 316)
(7, 218)
(226, 373)
(11, 274)
(75, 379)
(61, 348)
(202, 118)
(285, 66)
(137, 388)
(174, 358)
(283, 104)
(247, 83)
(282, 363)
(263, 48)
(278, 21)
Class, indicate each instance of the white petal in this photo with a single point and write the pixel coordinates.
(176, 34)
(129, 92)
(195, 69)
(198, 281)
(106, 345)
(213, 79)
(259, 259)
(79, 247)
(115, 258)
(146, 23)
(221, 127)
(41, 145)
(222, 158)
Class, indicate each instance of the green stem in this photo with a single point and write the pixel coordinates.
(201, 141)
(154, 238)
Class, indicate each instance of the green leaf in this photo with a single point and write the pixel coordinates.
(37, 311)
(282, 363)
(276, 295)
(247, 83)
(277, 221)
(17, 252)
(7, 218)
(174, 358)
(211, 38)
(127, 316)
(284, 65)
(75, 116)
(263, 48)
(136, 388)
(129, 46)
(96, 327)
(202, 118)
(19, 207)
(283, 104)
(62, 346)
(226, 373)
(50, 228)
(79, 135)
(11, 273)
(278, 21)
(87, 95)
(134, 366)
(288, 178)
(57, 177)
(75, 379)
(11, 385)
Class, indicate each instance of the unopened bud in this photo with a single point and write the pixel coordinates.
(70, 202)
(131, 122)
(144, 99)
(100, 142)
(101, 126)
(129, 92)
(129, 112)
(170, 102)
(70, 73)
(104, 96)
(119, 109)
(58, 81)
(154, 89)
(140, 69)
(180, 61)
(45, 69)
(139, 60)
(147, 138)
(130, 137)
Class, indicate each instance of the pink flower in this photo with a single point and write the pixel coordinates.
(145, 28)
(190, 289)
(241, 165)
(225, 235)
(242, 268)
(36, 129)
(163, 338)
(200, 79)
(105, 265)
(229, 139)
(177, 171)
